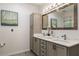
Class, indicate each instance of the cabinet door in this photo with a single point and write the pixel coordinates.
(36, 46)
(33, 44)
(37, 23)
(61, 51)
(35, 27)
(51, 49)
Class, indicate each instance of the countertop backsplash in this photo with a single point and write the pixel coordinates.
(69, 33)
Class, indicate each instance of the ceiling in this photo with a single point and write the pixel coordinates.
(40, 4)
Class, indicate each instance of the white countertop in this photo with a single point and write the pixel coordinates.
(67, 43)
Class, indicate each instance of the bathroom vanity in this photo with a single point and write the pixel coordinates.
(52, 46)
(63, 18)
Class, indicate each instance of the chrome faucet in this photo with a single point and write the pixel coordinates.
(64, 36)
(52, 34)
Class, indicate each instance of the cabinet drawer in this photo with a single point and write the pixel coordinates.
(43, 42)
(43, 47)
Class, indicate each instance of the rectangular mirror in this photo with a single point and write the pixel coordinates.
(63, 18)
(45, 21)
(53, 23)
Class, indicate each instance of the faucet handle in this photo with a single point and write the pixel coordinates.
(63, 35)
(51, 32)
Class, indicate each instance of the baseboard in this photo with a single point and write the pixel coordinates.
(17, 52)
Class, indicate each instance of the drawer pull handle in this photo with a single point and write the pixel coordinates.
(54, 47)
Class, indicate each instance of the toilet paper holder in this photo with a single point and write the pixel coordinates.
(2, 45)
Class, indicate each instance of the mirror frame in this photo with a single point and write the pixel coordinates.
(75, 18)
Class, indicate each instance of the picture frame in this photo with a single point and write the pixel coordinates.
(53, 23)
(9, 18)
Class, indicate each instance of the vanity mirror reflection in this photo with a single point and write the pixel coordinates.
(64, 17)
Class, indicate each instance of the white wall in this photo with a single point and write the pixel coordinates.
(18, 40)
(71, 34)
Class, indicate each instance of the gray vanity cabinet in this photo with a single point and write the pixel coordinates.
(36, 46)
(55, 50)
(61, 51)
(45, 48)
(32, 44)
(35, 27)
(67, 51)
(51, 51)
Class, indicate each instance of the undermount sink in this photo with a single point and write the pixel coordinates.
(48, 37)
(63, 41)
(56, 39)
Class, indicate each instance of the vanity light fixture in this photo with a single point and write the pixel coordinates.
(57, 10)
(52, 6)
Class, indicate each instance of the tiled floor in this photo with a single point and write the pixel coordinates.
(29, 53)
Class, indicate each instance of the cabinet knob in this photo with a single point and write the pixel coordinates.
(42, 51)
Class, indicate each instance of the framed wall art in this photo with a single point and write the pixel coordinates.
(9, 18)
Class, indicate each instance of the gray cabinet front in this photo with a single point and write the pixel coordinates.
(45, 48)
(36, 46)
(61, 51)
(51, 51)
(55, 50)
